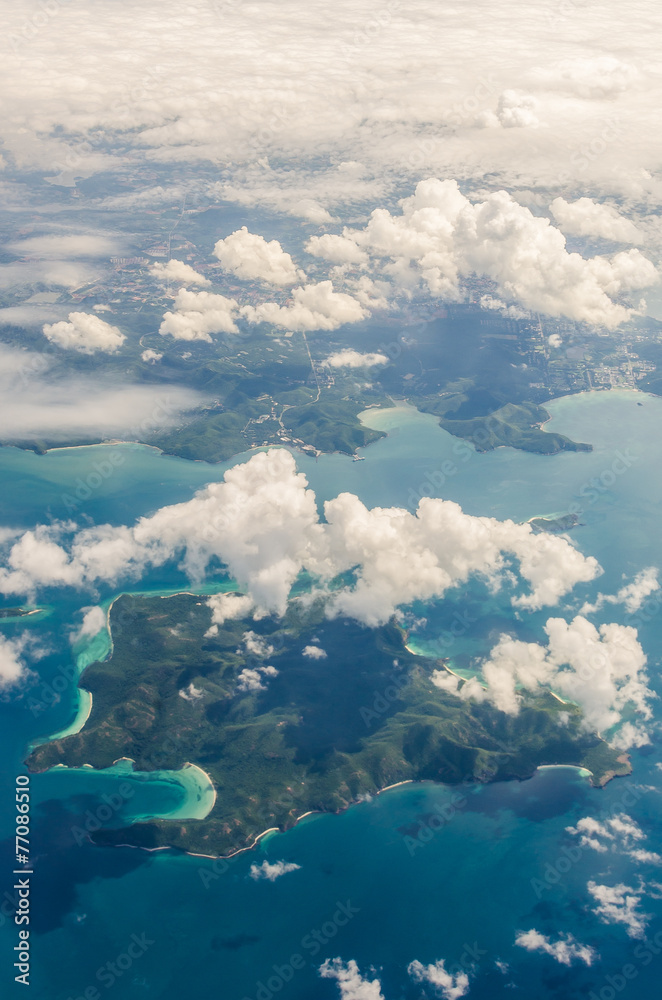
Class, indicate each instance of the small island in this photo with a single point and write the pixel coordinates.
(555, 525)
(18, 612)
(292, 715)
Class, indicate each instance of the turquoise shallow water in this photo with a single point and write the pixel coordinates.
(493, 866)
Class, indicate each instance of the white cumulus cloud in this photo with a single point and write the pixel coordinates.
(262, 522)
(336, 249)
(177, 271)
(226, 607)
(586, 217)
(311, 307)
(565, 950)
(85, 333)
(272, 870)
(314, 652)
(440, 237)
(353, 986)
(445, 984)
(197, 315)
(601, 670)
(347, 358)
(250, 256)
(94, 620)
(620, 904)
(12, 663)
(632, 595)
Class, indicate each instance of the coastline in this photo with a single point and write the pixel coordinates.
(188, 770)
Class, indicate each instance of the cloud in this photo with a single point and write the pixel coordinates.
(601, 670)
(590, 77)
(586, 217)
(85, 333)
(255, 645)
(252, 679)
(62, 273)
(348, 358)
(353, 986)
(632, 595)
(262, 522)
(441, 237)
(198, 314)
(514, 110)
(445, 984)
(402, 557)
(314, 653)
(227, 607)
(620, 833)
(12, 664)
(35, 405)
(177, 271)
(272, 870)
(376, 109)
(566, 950)
(94, 620)
(619, 904)
(250, 256)
(336, 249)
(191, 693)
(64, 246)
(151, 356)
(312, 307)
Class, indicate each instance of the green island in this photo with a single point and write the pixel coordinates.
(555, 525)
(17, 612)
(350, 711)
(516, 425)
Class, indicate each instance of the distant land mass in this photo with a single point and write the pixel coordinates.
(343, 712)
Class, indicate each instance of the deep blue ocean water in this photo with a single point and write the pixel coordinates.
(385, 882)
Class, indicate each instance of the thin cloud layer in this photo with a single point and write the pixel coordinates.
(35, 405)
(369, 88)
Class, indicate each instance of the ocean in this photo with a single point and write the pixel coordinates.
(422, 872)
